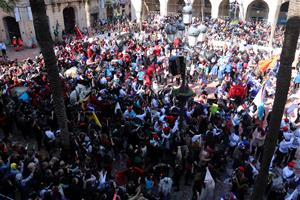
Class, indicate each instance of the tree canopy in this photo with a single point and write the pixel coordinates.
(7, 5)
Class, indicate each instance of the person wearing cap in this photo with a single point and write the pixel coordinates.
(251, 170)
(282, 151)
(129, 113)
(294, 146)
(229, 196)
(277, 188)
(240, 183)
(288, 173)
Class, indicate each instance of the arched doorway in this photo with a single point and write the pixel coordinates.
(69, 19)
(151, 6)
(175, 6)
(229, 8)
(12, 27)
(109, 12)
(200, 6)
(282, 18)
(258, 11)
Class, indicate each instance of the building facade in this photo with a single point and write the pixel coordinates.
(263, 10)
(65, 14)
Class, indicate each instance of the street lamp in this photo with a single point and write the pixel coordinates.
(187, 12)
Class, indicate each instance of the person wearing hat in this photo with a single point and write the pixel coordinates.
(283, 150)
(240, 183)
(288, 173)
(251, 170)
(165, 135)
(277, 188)
(129, 113)
(14, 42)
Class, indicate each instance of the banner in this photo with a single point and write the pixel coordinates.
(266, 64)
(259, 98)
(78, 33)
(95, 118)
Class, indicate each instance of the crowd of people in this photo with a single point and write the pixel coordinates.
(131, 137)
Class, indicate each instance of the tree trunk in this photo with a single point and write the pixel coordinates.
(282, 88)
(41, 26)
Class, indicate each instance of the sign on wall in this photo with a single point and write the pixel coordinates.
(102, 3)
(17, 14)
(29, 13)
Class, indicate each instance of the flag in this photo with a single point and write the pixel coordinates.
(266, 64)
(79, 35)
(259, 98)
(95, 118)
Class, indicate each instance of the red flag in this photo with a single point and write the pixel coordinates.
(79, 35)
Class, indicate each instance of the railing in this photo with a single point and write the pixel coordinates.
(5, 197)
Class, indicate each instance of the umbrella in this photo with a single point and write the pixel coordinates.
(18, 91)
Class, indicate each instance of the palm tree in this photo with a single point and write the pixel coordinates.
(41, 26)
(45, 41)
(7, 6)
(282, 88)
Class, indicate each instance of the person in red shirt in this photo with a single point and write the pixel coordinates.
(14, 42)
(19, 44)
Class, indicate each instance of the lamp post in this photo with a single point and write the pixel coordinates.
(184, 92)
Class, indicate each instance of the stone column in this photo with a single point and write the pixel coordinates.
(87, 14)
(243, 9)
(215, 8)
(163, 7)
(26, 27)
(274, 10)
(273, 18)
(136, 10)
(102, 10)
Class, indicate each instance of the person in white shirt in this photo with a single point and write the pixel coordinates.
(49, 139)
(294, 146)
(288, 173)
(165, 186)
(282, 152)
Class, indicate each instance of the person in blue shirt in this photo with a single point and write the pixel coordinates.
(140, 75)
(297, 80)
(221, 73)
(228, 68)
(214, 72)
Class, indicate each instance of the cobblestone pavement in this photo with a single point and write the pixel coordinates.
(21, 55)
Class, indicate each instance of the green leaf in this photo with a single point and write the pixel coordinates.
(8, 5)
